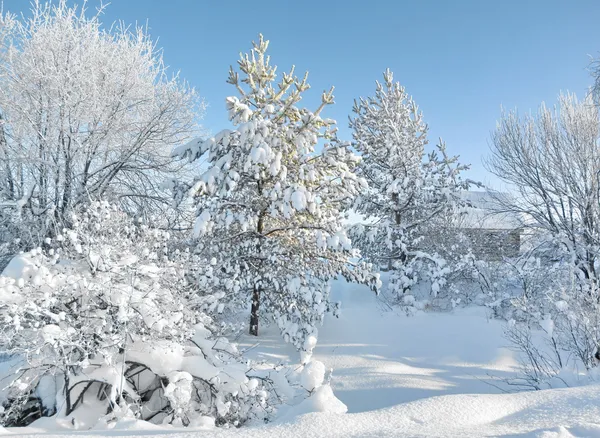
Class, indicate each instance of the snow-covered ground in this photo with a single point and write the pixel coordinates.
(432, 374)
(381, 358)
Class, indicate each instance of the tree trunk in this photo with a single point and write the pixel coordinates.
(397, 219)
(67, 391)
(254, 310)
(256, 291)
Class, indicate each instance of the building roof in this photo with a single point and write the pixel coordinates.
(483, 212)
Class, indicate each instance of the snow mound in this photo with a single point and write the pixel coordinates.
(322, 400)
(313, 375)
(19, 267)
(565, 413)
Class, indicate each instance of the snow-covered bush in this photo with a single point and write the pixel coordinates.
(411, 197)
(493, 283)
(108, 322)
(270, 203)
(559, 341)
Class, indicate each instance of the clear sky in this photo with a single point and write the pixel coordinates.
(461, 60)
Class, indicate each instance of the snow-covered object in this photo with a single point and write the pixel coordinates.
(322, 400)
(18, 267)
(114, 321)
(411, 197)
(179, 390)
(408, 300)
(552, 160)
(313, 375)
(269, 206)
(307, 349)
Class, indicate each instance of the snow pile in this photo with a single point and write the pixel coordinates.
(313, 375)
(322, 400)
(566, 413)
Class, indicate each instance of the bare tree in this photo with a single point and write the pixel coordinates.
(86, 111)
(552, 161)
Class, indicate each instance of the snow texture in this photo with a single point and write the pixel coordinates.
(431, 385)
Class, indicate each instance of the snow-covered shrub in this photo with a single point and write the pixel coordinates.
(565, 309)
(410, 196)
(107, 322)
(559, 342)
(301, 389)
(484, 282)
(270, 203)
(541, 362)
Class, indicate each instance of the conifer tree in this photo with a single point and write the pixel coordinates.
(411, 194)
(270, 203)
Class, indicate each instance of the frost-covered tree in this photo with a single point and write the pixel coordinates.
(85, 111)
(270, 203)
(552, 162)
(410, 195)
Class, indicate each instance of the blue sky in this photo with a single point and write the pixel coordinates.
(461, 60)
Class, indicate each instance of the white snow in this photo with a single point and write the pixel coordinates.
(322, 400)
(298, 200)
(313, 375)
(382, 358)
(551, 413)
(18, 267)
(427, 375)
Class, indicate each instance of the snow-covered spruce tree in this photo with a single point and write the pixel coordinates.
(86, 111)
(410, 196)
(107, 323)
(270, 202)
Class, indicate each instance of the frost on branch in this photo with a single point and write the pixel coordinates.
(87, 111)
(269, 206)
(552, 160)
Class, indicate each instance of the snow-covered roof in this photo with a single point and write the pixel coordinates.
(483, 212)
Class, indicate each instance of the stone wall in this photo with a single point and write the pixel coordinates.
(493, 245)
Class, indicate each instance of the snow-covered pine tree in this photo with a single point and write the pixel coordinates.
(270, 203)
(409, 194)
